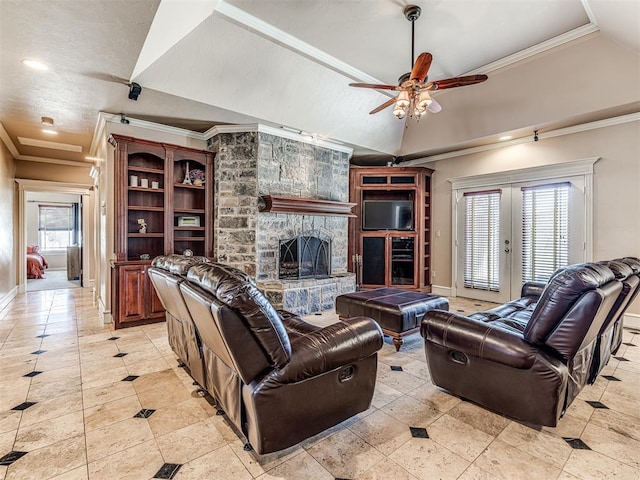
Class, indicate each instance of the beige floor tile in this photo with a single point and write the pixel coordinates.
(539, 443)
(382, 431)
(411, 412)
(345, 455)
(174, 417)
(383, 395)
(48, 390)
(384, 470)
(476, 473)
(161, 397)
(613, 444)
(14, 392)
(58, 374)
(302, 465)
(431, 394)
(6, 441)
(38, 435)
(80, 473)
(51, 409)
(9, 420)
(108, 393)
(476, 416)
(459, 437)
(568, 426)
(401, 381)
(158, 380)
(139, 462)
(117, 437)
(109, 413)
(49, 461)
(426, 460)
(259, 464)
(589, 465)
(221, 463)
(507, 462)
(179, 446)
(617, 422)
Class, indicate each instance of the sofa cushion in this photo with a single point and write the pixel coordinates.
(239, 291)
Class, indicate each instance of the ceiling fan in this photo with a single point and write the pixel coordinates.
(414, 97)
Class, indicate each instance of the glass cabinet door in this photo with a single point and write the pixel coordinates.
(402, 261)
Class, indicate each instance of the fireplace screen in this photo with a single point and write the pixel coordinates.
(304, 256)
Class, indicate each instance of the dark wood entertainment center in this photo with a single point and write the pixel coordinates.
(390, 236)
(177, 216)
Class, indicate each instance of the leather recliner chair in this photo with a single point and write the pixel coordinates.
(278, 378)
(531, 359)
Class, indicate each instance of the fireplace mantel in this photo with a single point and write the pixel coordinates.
(305, 206)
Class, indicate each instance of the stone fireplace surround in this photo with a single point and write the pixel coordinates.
(255, 163)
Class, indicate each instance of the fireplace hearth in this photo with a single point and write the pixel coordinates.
(305, 256)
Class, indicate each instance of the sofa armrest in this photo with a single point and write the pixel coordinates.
(533, 289)
(478, 339)
(330, 347)
(296, 325)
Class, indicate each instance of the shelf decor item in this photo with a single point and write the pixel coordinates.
(188, 221)
(143, 225)
(187, 176)
(197, 177)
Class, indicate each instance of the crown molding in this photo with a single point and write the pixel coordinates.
(7, 141)
(522, 55)
(297, 135)
(157, 127)
(608, 122)
(49, 186)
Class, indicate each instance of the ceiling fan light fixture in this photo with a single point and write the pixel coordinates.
(424, 100)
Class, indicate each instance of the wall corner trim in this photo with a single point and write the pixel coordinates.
(7, 297)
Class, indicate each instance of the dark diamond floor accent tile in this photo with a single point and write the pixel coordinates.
(38, 352)
(597, 404)
(340, 478)
(120, 355)
(144, 413)
(460, 310)
(11, 457)
(32, 374)
(168, 470)
(24, 405)
(611, 378)
(630, 344)
(396, 368)
(418, 432)
(130, 378)
(477, 304)
(622, 359)
(113, 338)
(576, 443)
(44, 335)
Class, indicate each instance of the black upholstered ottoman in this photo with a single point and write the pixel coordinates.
(398, 312)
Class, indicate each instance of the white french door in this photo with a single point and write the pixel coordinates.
(508, 234)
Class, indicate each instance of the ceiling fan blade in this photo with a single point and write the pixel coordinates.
(386, 104)
(421, 67)
(434, 107)
(374, 85)
(456, 82)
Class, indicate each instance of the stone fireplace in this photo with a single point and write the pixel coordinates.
(259, 163)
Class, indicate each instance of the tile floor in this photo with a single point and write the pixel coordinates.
(79, 400)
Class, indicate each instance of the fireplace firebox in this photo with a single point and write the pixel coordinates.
(305, 256)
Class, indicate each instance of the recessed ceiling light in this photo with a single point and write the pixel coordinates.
(49, 131)
(35, 64)
(46, 121)
(505, 137)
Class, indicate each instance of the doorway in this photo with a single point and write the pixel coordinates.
(506, 234)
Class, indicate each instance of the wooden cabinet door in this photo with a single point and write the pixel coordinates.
(131, 293)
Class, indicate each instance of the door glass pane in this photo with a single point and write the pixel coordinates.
(482, 240)
(545, 230)
(373, 267)
(402, 260)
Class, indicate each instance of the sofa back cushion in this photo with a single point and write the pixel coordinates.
(239, 292)
(573, 300)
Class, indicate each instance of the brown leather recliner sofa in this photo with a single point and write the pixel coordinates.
(278, 378)
(529, 358)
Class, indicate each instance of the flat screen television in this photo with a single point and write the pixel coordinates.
(387, 215)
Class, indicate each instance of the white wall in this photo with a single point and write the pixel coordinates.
(57, 259)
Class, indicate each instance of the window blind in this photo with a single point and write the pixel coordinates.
(482, 240)
(545, 230)
(55, 218)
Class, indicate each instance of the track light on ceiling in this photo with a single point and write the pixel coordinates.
(123, 119)
(535, 136)
(134, 91)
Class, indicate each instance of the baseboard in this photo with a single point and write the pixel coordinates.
(7, 297)
(442, 291)
(105, 315)
(632, 320)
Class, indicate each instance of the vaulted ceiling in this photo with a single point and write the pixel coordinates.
(282, 63)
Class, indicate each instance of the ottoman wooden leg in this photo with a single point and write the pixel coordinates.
(397, 342)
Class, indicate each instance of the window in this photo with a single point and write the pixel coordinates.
(545, 230)
(482, 240)
(56, 226)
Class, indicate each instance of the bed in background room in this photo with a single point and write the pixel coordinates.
(36, 263)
